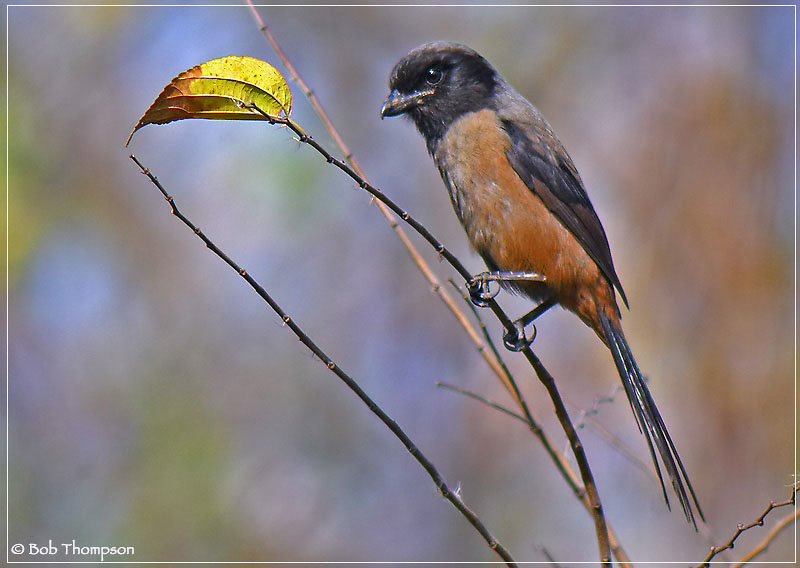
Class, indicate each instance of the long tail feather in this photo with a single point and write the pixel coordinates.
(649, 420)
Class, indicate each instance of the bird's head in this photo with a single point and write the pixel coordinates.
(438, 82)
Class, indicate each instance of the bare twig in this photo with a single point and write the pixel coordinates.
(482, 399)
(426, 464)
(586, 418)
(595, 408)
(546, 554)
(593, 504)
(603, 540)
(484, 330)
(560, 461)
(764, 544)
(759, 522)
(416, 257)
(614, 442)
(591, 493)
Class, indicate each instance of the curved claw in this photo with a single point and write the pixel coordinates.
(516, 340)
(479, 291)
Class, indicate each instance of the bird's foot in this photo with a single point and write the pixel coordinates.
(515, 339)
(481, 294)
(479, 291)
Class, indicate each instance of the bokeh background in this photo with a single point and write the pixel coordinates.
(155, 401)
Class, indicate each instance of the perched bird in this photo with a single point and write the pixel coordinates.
(525, 210)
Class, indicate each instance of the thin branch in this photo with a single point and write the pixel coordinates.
(764, 544)
(759, 522)
(506, 377)
(583, 495)
(416, 257)
(603, 541)
(615, 443)
(595, 408)
(426, 464)
(482, 399)
(586, 417)
(440, 249)
(547, 555)
(594, 505)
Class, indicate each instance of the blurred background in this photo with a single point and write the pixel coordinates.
(156, 402)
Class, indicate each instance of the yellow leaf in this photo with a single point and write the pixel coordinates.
(220, 89)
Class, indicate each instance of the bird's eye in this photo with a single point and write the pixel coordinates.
(433, 76)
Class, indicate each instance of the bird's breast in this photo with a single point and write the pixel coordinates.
(506, 222)
(469, 158)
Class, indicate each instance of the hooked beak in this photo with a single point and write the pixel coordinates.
(398, 103)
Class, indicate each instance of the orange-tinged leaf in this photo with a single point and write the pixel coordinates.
(220, 89)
